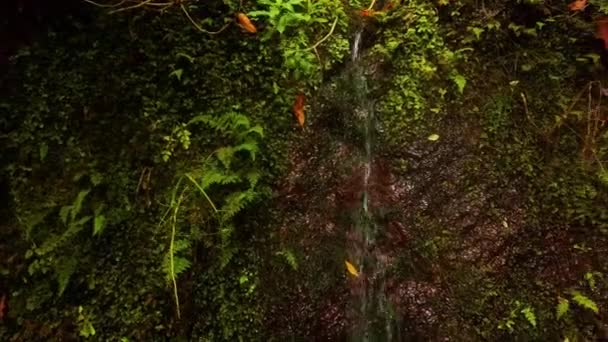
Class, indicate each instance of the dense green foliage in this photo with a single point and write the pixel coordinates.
(143, 158)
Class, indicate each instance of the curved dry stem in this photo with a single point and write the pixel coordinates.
(198, 27)
(371, 5)
(141, 4)
(105, 6)
(333, 27)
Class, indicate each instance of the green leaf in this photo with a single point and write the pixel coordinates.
(64, 212)
(460, 81)
(44, 150)
(180, 265)
(99, 224)
(529, 315)
(63, 273)
(177, 73)
(77, 205)
(289, 257)
(562, 308)
(584, 301)
(225, 154)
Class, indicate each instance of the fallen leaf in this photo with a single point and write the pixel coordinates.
(246, 23)
(298, 109)
(351, 268)
(577, 5)
(602, 30)
(433, 137)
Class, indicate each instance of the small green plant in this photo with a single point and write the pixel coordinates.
(520, 310)
(53, 252)
(85, 327)
(229, 177)
(299, 23)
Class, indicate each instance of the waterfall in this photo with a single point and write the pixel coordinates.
(373, 322)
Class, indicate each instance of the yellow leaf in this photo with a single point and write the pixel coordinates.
(351, 268)
(433, 137)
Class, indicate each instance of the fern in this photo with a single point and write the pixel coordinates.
(289, 257)
(584, 301)
(225, 177)
(180, 265)
(529, 315)
(174, 264)
(63, 272)
(214, 176)
(562, 307)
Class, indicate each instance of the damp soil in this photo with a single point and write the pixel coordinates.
(447, 226)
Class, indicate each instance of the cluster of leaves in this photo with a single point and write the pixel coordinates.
(422, 67)
(532, 98)
(302, 27)
(225, 183)
(95, 136)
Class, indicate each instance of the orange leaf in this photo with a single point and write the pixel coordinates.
(577, 5)
(602, 30)
(351, 268)
(246, 23)
(298, 109)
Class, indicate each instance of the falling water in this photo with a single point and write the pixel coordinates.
(373, 323)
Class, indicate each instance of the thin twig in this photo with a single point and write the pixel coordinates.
(105, 6)
(140, 4)
(198, 26)
(172, 251)
(333, 26)
(371, 5)
(200, 188)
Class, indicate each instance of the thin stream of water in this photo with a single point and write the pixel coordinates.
(374, 321)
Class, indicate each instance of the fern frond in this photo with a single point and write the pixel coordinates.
(201, 119)
(226, 256)
(584, 301)
(77, 206)
(214, 176)
(63, 272)
(225, 155)
(181, 245)
(235, 202)
(239, 121)
(180, 265)
(257, 129)
(64, 212)
(289, 257)
(53, 242)
(562, 307)
(248, 146)
(528, 313)
(253, 177)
